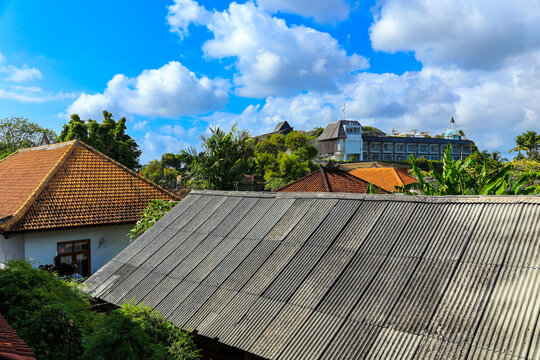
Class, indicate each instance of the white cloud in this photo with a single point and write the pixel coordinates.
(183, 13)
(169, 91)
(32, 94)
(322, 11)
(272, 57)
(23, 74)
(466, 33)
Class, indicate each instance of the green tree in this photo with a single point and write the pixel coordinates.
(288, 168)
(224, 160)
(18, 132)
(161, 172)
(109, 137)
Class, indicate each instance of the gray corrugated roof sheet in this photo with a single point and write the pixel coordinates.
(342, 276)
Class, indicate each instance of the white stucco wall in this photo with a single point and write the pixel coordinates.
(105, 243)
(11, 248)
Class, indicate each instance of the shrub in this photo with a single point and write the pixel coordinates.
(154, 211)
(54, 318)
(136, 332)
(48, 313)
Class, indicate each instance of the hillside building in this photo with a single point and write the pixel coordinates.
(344, 140)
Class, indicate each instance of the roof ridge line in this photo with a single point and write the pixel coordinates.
(326, 182)
(125, 168)
(31, 199)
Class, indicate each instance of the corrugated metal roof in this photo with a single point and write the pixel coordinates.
(342, 276)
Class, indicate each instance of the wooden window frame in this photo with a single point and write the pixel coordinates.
(75, 253)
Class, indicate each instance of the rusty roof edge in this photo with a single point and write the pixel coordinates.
(128, 170)
(509, 199)
(31, 199)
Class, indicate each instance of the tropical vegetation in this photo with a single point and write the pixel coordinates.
(55, 319)
(467, 177)
(154, 211)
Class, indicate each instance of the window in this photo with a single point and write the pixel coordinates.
(411, 148)
(433, 149)
(388, 157)
(466, 149)
(456, 149)
(76, 253)
(388, 148)
(352, 130)
(400, 148)
(401, 157)
(375, 157)
(422, 149)
(375, 147)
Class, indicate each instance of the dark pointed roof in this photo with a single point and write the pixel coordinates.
(335, 130)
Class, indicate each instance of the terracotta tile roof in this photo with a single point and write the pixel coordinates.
(385, 178)
(69, 185)
(328, 180)
(11, 345)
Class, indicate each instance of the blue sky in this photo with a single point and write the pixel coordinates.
(173, 68)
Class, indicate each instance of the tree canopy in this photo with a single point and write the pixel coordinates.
(529, 142)
(18, 132)
(109, 137)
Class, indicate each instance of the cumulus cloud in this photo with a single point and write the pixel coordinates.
(169, 91)
(471, 34)
(323, 11)
(273, 59)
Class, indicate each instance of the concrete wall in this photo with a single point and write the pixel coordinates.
(11, 248)
(105, 243)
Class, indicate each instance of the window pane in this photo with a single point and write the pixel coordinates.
(65, 259)
(65, 248)
(82, 264)
(81, 245)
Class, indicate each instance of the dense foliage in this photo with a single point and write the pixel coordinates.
(19, 132)
(463, 178)
(53, 317)
(109, 137)
(280, 160)
(222, 163)
(164, 172)
(150, 215)
(136, 332)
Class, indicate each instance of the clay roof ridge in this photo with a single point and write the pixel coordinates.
(125, 168)
(325, 180)
(34, 195)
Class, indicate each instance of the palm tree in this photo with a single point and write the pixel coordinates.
(520, 145)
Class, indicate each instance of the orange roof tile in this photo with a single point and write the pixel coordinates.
(328, 180)
(12, 347)
(385, 178)
(68, 185)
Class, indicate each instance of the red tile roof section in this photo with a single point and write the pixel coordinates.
(11, 345)
(385, 178)
(328, 180)
(83, 188)
(22, 173)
